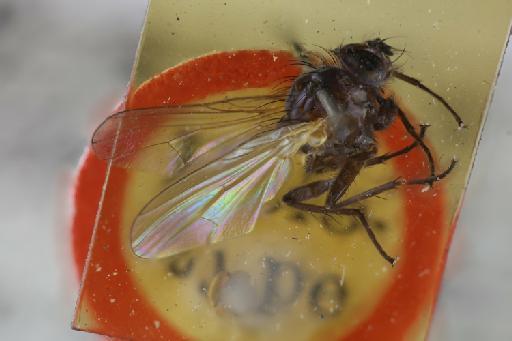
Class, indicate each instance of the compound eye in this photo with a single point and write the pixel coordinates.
(362, 60)
(367, 66)
(379, 45)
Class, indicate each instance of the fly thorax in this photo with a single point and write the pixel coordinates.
(349, 124)
(358, 95)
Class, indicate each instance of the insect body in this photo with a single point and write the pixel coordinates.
(242, 150)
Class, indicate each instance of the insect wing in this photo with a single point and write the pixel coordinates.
(167, 139)
(221, 200)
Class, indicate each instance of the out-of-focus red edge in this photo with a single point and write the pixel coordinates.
(218, 73)
(442, 265)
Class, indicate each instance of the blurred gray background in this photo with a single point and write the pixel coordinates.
(62, 61)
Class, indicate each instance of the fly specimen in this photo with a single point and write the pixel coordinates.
(227, 158)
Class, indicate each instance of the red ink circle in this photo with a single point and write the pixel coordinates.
(403, 303)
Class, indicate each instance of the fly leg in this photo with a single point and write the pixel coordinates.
(295, 198)
(341, 207)
(355, 212)
(410, 129)
(384, 188)
(390, 107)
(336, 187)
(306, 192)
(383, 158)
(416, 82)
(395, 184)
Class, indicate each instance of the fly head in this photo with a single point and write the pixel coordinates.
(369, 62)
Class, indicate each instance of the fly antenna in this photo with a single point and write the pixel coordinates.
(415, 82)
(402, 52)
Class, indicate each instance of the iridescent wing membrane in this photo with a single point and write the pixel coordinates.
(225, 160)
(167, 139)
